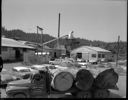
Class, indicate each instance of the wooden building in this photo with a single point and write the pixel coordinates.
(90, 53)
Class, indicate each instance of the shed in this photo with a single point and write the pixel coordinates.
(90, 53)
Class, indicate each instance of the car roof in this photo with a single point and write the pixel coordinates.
(47, 65)
(20, 68)
(38, 66)
(58, 66)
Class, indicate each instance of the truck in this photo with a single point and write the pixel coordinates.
(37, 86)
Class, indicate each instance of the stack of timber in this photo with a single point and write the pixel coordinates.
(88, 86)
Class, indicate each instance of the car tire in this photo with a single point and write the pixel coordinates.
(19, 95)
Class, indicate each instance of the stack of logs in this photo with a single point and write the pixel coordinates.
(84, 81)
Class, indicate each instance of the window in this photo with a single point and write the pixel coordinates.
(99, 55)
(103, 55)
(94, 55)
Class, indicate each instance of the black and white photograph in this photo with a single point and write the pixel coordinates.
(63, 49)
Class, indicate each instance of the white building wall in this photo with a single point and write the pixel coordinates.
(87, 53)
(26, 55)
(93, 58)
(85, 56)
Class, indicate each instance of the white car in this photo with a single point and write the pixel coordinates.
(5, 78)
(56, 61)
(83, 63)
(60, 67)
(39, 67)
(93, 61)
(21, 71)
(123, 67)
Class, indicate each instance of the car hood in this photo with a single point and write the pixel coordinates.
(22, 82)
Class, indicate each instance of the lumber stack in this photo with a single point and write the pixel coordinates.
(84, 81)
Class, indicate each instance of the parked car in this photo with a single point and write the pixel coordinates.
(83, 63)
(5, 78)
(22, 72)
(50, 66)
(93, 61)
(56, 61)
(60, 67)
(39, 67)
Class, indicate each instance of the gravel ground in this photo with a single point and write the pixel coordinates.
(114, 94)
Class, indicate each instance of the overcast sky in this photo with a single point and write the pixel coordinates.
(89, 19)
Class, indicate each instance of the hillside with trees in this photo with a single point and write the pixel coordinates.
(74, 43)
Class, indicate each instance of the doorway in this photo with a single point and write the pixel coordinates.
(17, 54)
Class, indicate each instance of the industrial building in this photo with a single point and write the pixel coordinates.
(90, 53)
(13, 50)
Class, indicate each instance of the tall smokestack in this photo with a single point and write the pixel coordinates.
(59, 26)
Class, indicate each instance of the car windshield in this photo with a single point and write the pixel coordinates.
(33, 68)
(25, 70)
(52, 67)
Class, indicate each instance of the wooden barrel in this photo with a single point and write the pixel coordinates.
(62, 80)
(84, 79)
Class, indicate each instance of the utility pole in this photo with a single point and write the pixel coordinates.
(0, 41)
(42, 36)
(117, 51)
(41, 40)
(37, 29)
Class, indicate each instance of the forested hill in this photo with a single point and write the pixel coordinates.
(34, 37)
(19, 34)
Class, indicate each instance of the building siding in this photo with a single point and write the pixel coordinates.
(87, 53)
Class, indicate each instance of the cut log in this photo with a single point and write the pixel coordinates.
(107, 79)
(62, 80)
(84, 79)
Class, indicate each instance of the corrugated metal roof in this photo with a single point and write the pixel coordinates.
(33, 44)
(81, 49)
(86, 49)
(59, 47)
(13, 43)
(98, 49)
